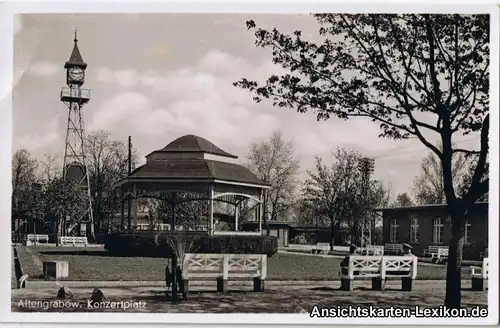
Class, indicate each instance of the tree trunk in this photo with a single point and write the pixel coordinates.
(174, 277)
(453, 272)
(58, 232)
(174, 255)
(264, 216)
(332, 230)
(34, 230)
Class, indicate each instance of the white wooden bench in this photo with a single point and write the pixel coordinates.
(484, 254)
(393, 249)
(441, 256)
(437, 253)
(479, 275)
(300, 247)
(32, 239)
(321, 248)
(372, 250)
(73, 241)
(225, 266)
(379, 268)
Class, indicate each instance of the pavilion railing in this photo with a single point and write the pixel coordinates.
(237, 233)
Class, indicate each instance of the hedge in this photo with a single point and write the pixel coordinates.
(158, 244)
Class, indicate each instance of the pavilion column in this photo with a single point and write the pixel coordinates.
(261, 210)
(129, 212)
(122, 210)
(173, 203)
(134, 206)
(211, 211)
(236, 216)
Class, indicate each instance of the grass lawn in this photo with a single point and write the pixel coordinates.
(94, 264)
(13, 278)
(29, 260)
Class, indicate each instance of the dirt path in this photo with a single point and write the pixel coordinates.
(242, 300)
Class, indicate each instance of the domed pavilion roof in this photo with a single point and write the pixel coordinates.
(194, 144)
(193, 158)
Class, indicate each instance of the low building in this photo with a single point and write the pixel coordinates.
(425, 225)
(278, 229)
(313, 234)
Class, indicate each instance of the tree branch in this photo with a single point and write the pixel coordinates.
(466, 151)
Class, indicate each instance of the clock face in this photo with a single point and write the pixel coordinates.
(76, 74)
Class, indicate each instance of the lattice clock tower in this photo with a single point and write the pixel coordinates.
(75, 165)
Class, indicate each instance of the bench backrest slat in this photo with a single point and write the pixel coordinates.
(36, 238)
(73, 240)
(437, 248)
(323, 246)
(393, 248)
(485, 268)
(224, 264)
(443, 252)
(382, 265)
(374, 250)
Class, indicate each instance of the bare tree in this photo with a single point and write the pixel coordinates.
(428, 187)
(308, 214)
(107, 162)
(335, 192)
(274, 162)
(403, 200)
(23, 177)
(58, 201)
(48, 169)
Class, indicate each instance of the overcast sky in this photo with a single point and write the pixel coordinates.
(158, 77)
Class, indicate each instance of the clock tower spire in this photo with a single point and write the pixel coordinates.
(75, 165)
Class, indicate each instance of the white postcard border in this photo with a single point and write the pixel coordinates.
(7, 11)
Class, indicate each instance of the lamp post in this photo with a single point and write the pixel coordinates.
(366, 167)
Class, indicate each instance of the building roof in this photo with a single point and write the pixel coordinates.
(192, 169)
(269, 222)
(314, 228)
(194, 144)
(420, 207)
(76, 58)
(196, 169)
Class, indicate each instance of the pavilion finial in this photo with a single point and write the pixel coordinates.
(76, 35)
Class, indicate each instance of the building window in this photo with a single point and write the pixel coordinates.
(437, 237)
(414, 233)
(393, 233)
(467, 239)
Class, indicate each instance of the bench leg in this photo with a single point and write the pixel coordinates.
(477, 284)
(346, 284)
(185, 289)
(258, 284)
(221, 285)
(377, 284)
(406, 284)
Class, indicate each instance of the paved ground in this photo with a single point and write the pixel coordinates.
(275, 299)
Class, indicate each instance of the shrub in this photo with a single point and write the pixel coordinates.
(160, 244)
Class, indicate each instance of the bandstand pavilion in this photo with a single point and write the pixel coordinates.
(195, 166)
